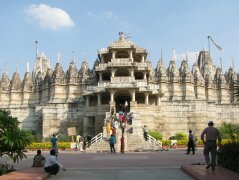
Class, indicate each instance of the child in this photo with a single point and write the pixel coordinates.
(38, 160)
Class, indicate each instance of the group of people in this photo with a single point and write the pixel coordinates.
(112, 124)
(209, 137)
(51, 164)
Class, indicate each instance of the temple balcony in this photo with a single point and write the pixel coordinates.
(141, 65)
(120, 62)
(101, 67)
(122, 79)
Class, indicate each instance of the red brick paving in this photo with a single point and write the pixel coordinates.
(199, 172)
(26, 174)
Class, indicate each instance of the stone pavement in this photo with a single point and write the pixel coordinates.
(151, 165)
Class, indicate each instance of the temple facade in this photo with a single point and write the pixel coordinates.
(165, 98)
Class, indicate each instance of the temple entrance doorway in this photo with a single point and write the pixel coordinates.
(120, 101)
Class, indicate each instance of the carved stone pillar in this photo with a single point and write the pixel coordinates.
(130, 54)
(99, 99)
(133, 96)
(100, 76)
(158, 100)
(142, 58)
(113, 73)
(146, 98)
(87, 101)
(113, 54)
(112, 93)
(145, 76)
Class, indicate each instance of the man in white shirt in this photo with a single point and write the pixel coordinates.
(51, 165)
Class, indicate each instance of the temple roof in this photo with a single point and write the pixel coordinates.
(122, 42)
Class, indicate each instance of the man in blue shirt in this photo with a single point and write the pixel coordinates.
(54, 143)
(112, 143)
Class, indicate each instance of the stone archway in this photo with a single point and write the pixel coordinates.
(120, 98)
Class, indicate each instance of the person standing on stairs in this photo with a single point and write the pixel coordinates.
(112, 143)
(145, 133)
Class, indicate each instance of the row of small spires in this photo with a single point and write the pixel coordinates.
(174, 57)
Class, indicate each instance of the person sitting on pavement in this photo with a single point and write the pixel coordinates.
(52, 166)
(39, 159)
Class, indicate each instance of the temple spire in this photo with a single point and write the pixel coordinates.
(174, 55)
(5, 68)
(28, 67)
(58, 57)
(16, 67)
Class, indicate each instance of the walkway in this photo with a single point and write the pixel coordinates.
(152, 165)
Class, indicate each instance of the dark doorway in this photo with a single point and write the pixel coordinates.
(120, 101)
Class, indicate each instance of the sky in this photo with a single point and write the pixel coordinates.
(83, 27)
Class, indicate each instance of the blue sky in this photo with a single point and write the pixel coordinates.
(86, 26)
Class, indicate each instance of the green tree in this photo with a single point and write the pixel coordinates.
(229, 131)
(156, 134)
(13, 140)
(181, 136)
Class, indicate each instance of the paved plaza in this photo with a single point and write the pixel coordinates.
(141, 165)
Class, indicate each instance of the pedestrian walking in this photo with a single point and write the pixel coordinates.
(210, 145)
(191, 142)
(54, 143)
(145, 133)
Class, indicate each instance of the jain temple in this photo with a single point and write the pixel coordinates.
(166, 98)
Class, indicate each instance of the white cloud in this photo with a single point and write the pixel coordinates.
(49, 17)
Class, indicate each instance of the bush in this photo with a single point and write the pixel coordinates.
(34, 136)
(229, 131)
(47, 145)
(182, 142)
(228, 156)
(156, 134)
(179, 136)
(166, 142)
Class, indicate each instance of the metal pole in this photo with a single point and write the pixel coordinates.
(36, 48)
(209, 43)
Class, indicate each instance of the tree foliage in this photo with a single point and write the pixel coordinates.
(179, 136)
(230, 131)
(13, 140)
(156, 134)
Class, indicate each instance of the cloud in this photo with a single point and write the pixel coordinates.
(49, 17)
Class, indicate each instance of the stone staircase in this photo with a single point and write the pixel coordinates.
(133, 142)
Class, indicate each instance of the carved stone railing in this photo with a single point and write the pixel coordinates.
(141, 83)
(123, 79)
(121, 62)
(90, 88)
(141, 64)
(101, 67)
(103, 84)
